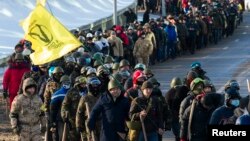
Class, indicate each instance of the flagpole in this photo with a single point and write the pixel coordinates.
(49, 8)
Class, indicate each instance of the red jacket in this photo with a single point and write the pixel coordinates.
(13, 76)
(122, 35)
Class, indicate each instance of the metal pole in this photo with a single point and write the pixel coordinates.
(115, 12)
(163, 8)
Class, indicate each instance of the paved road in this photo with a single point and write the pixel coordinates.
(229, 59)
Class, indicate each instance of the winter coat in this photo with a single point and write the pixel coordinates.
(116, 45)
(114, 114)
(82, 115)
(70, 104)
(122, 36)
(171, 33)
(143, 48)
(12, 78)
(200, 120)
(31, 74)
(154, 119)
(174, 98)
(151, 37)
(221, 114)
(55, 104)
(51, 87)
(26, 110)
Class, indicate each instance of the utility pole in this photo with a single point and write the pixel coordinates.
(115, 12)
(163, 8)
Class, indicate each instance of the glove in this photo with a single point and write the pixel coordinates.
(79, 129)
(16, 130)
(53, 127)
(43, 129)
(5, 94)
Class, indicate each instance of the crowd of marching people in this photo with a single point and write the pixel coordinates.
(105, 89)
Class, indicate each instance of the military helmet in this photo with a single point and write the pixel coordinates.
(84, 69)
(192, 75)
(154, 81)
(97, 63)
(98, 56)
(115, 66)
(113, 84)
(208, 83)
(176, 81)
(147, 84)
(108, 59)
(93, 81)
(101, 69)
(116, 77)
(51, 70)
(232, 84)
(123, 63)
(232, 93)
(195, 82)
(140, 66)
(148, 71)
(80, 80)
(91, 71)
(65, 78)
(58, 70)
(98, 33)
(195, 65)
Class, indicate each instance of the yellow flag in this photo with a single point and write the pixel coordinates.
(42, 2)
(50, 39)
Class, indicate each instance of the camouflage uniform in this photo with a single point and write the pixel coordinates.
(26, 115)
(142, 50)
(81, 115)
(69, 105)
(51, 87)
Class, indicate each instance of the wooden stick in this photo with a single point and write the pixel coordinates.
(143, 130)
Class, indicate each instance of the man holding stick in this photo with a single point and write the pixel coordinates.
(147, 109)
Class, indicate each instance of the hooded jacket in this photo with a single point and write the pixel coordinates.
(25, 110)
(12, 78)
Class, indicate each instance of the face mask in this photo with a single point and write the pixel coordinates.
(235, 103)
(66, 86)
(26, 52)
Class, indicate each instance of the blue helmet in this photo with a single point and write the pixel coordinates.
(51, 69)
(195, 65)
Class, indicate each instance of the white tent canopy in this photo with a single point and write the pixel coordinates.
(71, 13)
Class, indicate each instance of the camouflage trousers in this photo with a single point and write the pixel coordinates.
(143, 60)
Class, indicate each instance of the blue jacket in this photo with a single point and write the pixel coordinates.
(55, 104)
(113, 114)
(171, 33)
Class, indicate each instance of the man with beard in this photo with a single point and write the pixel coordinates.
(90, 98)
(70, 104)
